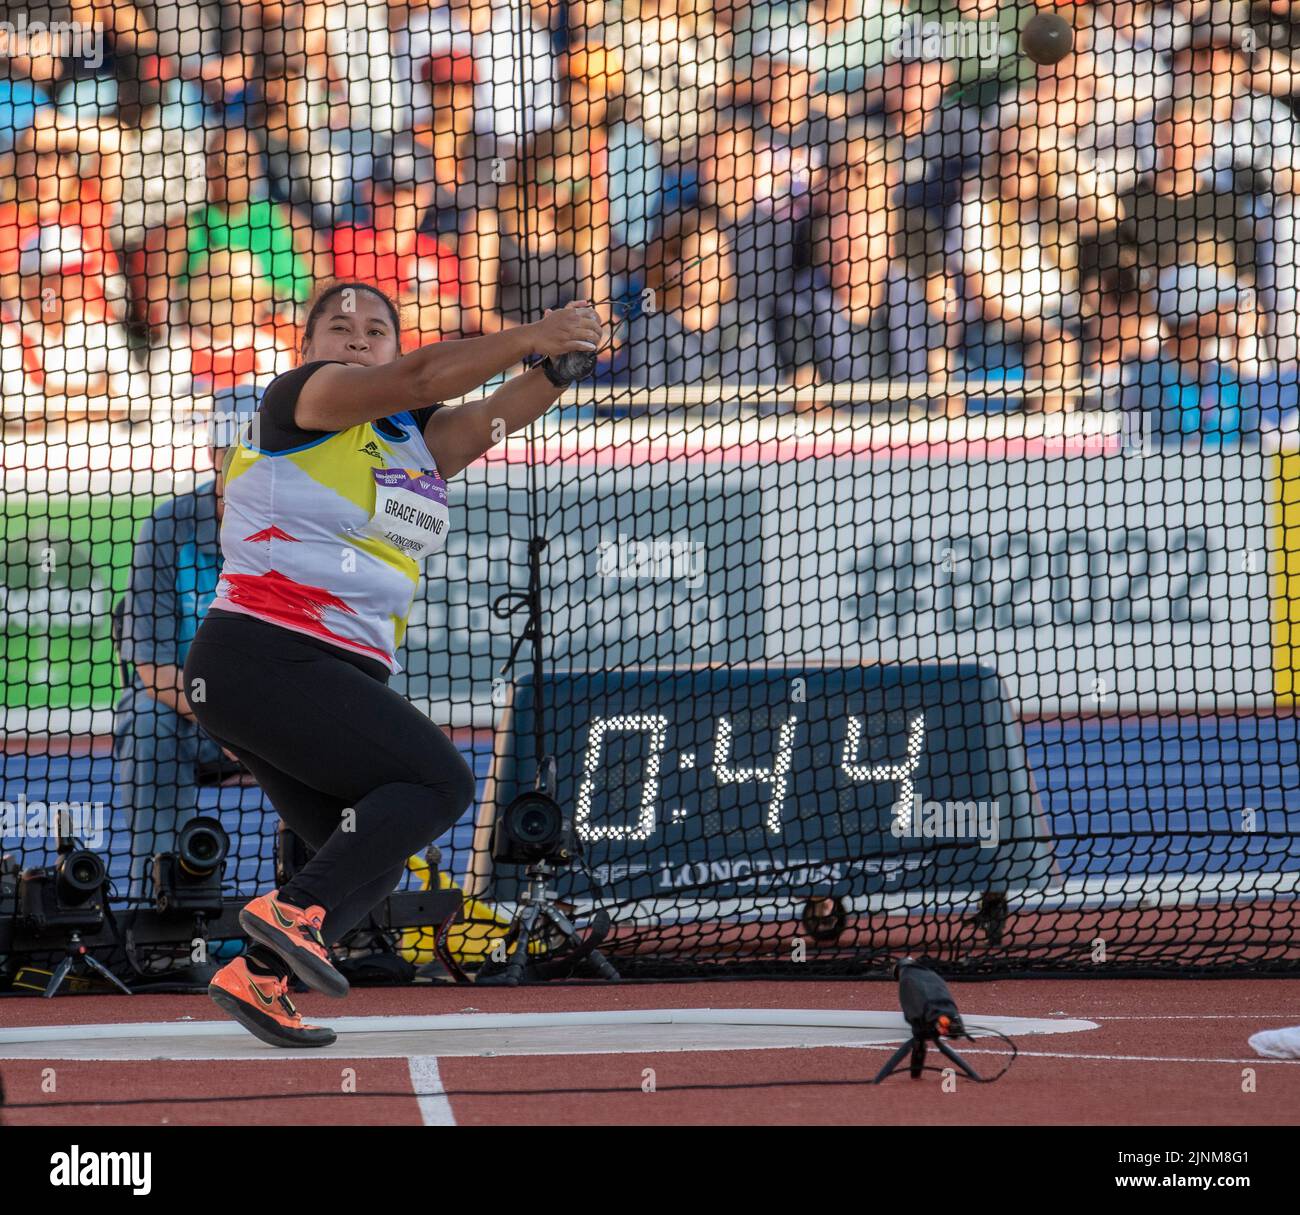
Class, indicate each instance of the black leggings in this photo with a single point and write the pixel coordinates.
(352, 767)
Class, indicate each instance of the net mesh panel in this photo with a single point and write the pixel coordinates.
(915, 574)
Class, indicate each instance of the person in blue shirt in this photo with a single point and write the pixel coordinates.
(158, 746)
(20, 102)
(1208, 381)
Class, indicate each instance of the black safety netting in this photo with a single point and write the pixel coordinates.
(910, 576)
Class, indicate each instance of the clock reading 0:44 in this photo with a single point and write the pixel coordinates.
(771, 782)
(753, 779)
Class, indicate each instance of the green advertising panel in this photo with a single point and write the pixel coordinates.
(63, 561)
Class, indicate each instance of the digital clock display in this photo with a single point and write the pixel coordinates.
(759, 782)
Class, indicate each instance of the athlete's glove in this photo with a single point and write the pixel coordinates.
(575, 365)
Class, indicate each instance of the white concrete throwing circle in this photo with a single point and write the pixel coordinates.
(640, 1031)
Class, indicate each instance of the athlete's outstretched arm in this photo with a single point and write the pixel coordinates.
(458, 434)
(338, 395)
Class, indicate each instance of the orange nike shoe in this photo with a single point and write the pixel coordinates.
(261, 1004)
(294, 933)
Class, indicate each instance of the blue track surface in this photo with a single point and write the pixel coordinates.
(1161, 783)
(1164, 781)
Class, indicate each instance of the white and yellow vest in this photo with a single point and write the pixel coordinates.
(304, 548)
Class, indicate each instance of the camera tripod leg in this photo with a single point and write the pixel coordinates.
(96, 965)
(894, 1060)
(916, 1068)
(56, 979)
(949, 1053)
(570, 931)
(77, 955)
(513, 974)
(603, 967)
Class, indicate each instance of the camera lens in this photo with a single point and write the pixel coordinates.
(80, 876)
(202, 846)
(534, 824)
(530, 829)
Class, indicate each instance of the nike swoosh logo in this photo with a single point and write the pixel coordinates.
(283, 922)
(267, 1001)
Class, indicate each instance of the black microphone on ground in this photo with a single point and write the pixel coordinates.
(926, 1000)
(932, 1014)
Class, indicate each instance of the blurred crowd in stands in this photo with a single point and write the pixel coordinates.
(819, 191)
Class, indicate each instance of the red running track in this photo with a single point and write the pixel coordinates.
(1167, 1052)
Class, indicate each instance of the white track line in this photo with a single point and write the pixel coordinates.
(1045, 1054)
(1286, 1016)
(426, 1081)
